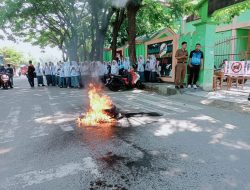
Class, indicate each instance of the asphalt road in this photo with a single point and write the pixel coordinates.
(190, 146)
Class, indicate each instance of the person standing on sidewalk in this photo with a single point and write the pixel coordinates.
(195, 65)
(31, 74)
(181, 67)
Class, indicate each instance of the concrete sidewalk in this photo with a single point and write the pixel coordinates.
(234, 98)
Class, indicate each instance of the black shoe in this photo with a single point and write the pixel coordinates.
(249, 97)
(177, 87)
(181, 86)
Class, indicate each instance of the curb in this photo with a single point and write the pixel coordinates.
(162, 89)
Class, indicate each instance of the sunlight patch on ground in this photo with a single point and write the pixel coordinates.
(174, 126)
(57, 119)
(237, 145)
(205, 118)
(5, 150)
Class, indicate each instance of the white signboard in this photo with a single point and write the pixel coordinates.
(235, 68)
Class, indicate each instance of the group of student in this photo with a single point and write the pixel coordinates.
(63, 74)
(148, 70)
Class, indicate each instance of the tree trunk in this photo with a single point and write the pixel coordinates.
(99, 45)
(114, 41)
(64, 55)
(132, 10)
(72, 48)
(120, 16)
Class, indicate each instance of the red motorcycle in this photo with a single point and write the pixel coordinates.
(128, 80)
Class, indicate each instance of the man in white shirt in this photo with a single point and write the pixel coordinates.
(39, 74)
(47, 73)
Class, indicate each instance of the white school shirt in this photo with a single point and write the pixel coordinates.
(66, 69)
(53, 70)
(126, 65)
(140, 66)
(58, 68)
(74, 70)
(114, 69)
(152, 66)
(47, 70)
(61, 71)
(39, 71)
(105, 68)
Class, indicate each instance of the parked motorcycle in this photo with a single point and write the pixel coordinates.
(128, 80)
(4, 81)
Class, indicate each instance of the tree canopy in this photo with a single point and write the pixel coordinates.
(81, 28)
(12, 56)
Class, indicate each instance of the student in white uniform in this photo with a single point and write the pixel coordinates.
(53, 74)
(58, 68)
(140, 69)
(147, 70)
(74, 74)
(114, 68)
(126, 65)
(39, 74)
(47, 73)
(152, 66)
(67, 76)
(61, 81)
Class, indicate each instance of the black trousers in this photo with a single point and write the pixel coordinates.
(147, 73)
(48, 79)
(31, 81)
(194, 74)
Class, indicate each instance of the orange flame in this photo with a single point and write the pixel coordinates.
(98, 104)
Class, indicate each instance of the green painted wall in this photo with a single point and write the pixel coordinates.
(107, 55)
(189, 26)
(242, 43)
(244, 17)
(126, 52)
(140, 50)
